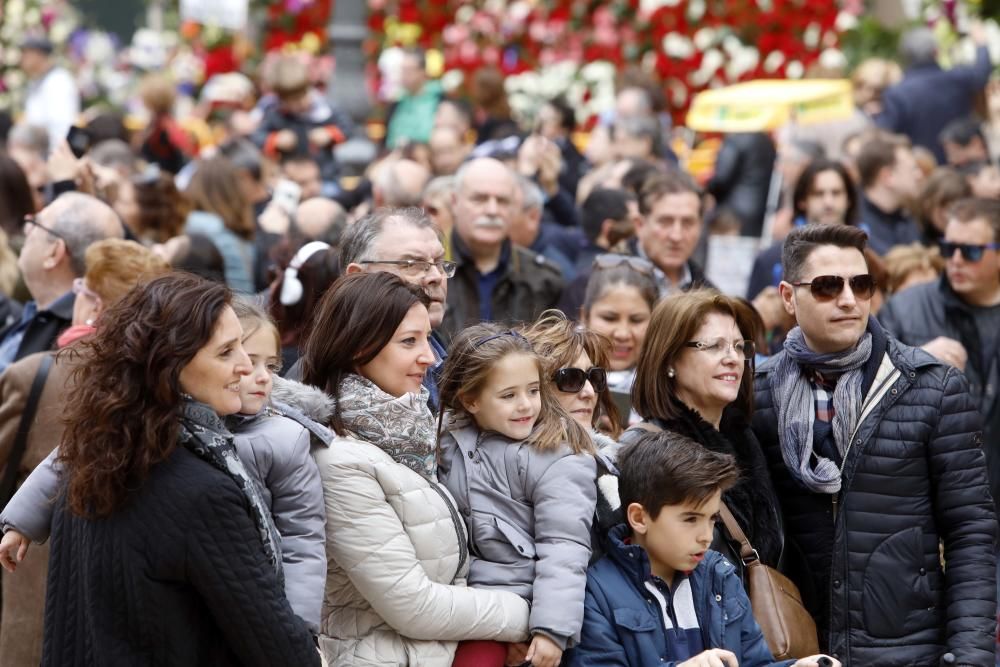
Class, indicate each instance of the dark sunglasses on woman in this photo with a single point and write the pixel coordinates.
(971, 252)
(824, 288)
(571, 380)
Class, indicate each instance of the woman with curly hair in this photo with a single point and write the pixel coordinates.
(162, 548)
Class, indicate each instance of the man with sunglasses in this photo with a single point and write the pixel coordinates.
(875, 450)
(957, 319)
(55, 241)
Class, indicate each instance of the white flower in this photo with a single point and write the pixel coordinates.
(599, 70)
(704, 38)
(773, 61)
(452, 80)
(795, 70)
(678, 46)
(845, 21)
(696, 9)
(741, 62)
(833, 59)
(711, 62)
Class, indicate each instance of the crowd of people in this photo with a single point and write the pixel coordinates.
(483, 405)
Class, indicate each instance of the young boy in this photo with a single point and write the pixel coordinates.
(660, 597)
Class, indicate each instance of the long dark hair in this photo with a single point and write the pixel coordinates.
(804, 186)
(122, 415)
(355, 319)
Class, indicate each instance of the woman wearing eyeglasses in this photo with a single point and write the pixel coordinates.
(695, 377)
(620, 297)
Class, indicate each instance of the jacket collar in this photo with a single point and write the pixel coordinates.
(462, 255)
(634, 562)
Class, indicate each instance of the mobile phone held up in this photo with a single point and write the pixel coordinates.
(286, 195)
(79, 141)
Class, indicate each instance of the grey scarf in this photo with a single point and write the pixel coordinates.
(403, 427)
(793, 396)
(203, 432)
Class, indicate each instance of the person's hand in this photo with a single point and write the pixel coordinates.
(544, 652)
(517, 654)
(62, 164)
(285, 141)
(274, 219)
(319, 137)
(528, 157)
(713, 657)
(13, 548)
(549, 166)
(813, 661)
(948, 350)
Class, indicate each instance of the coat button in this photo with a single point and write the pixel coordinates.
(836, 583)
(922, 572)
(895, 391)
(718, 598)
(471, 455)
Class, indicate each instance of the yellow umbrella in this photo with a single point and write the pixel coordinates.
(766, 104)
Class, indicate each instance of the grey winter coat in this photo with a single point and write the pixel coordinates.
(529, 514)
(275, 448)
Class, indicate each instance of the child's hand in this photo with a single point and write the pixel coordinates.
(813, 661)
(13, 547)
(544, 652)
(713, 657)
(285, 141)
(517, 654)
(319, 137)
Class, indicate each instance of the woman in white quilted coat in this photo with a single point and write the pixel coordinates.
(396, 546)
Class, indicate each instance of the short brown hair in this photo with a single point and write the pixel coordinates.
(115, 266)
(215, 188)
(667, 468)
(675, 321)
(876, 154)
(660, 185)
(802, 241)
(559, 341)
(290, 77)
(903, 260)
(977, 208)
(941, 189)
(157, 93)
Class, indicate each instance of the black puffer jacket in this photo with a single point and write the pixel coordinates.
(914, 475)
(922, 313)
(176, 577)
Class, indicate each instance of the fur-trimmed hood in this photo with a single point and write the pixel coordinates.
(308, 405)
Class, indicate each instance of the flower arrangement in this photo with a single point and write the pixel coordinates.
(55, 19)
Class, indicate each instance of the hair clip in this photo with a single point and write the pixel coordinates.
(509, 332)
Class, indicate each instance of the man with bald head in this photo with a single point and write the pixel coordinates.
(320, 219)
(399, 184)
(55, 241)
(495, 280)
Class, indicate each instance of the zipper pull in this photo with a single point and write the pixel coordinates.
(835, 499)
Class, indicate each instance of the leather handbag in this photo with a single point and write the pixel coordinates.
(788, 628)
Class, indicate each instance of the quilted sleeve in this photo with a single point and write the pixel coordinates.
(226, 564)
(29, 511)
(965, 518)
(365, 536)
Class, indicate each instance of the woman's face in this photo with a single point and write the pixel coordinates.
(262, 348)
(400, 366)
(581, 404)
(708, 381)
(214, 375)
(622, 315)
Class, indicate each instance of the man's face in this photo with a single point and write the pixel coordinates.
(401, 240)
(986, 182)
(306, 174)
(906, 176)
(827, 201)
(829, 325)
(36, 254)
(972, 280)
(33, 62)
(957, 155)
(447, 151)
(412, 74)
(670, 232)
(448, 115)
(550, 123)
(484, 204)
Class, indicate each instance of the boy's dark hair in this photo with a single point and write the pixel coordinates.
(962, 131)
(877, 154)
(666, 468)
(977, 208)
(602, 204)
(802, 241)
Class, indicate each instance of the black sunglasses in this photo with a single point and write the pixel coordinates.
(571, 380)
(971, 252)
(830, 287)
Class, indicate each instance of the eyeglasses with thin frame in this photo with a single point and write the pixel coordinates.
(417, 268)
(30, 220)
(825, 288)
(720, 347)
(571, 380)
(80, 289)
(971, 252)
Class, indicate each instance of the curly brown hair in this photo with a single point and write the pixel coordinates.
(123, 416)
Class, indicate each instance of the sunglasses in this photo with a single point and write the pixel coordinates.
(825, 288)
(571, 380)
(971, 252)
(611, 260)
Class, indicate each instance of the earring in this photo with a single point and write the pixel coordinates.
(90, 322)
(670, 373)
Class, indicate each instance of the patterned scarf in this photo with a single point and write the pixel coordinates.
(793, 397)
(403, 427)
(203, 432)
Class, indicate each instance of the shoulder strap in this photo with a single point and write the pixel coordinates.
(747, 552)
(23, 428)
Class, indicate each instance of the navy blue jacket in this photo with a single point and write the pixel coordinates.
(623, 624)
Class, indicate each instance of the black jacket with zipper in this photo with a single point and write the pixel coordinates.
(867, 560)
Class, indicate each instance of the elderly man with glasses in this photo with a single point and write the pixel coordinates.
(55, 241)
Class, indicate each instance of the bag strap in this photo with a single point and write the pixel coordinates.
(23, 428)
(747, 552)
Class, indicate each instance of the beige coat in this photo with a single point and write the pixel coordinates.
(397, 562)
(21, 620)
